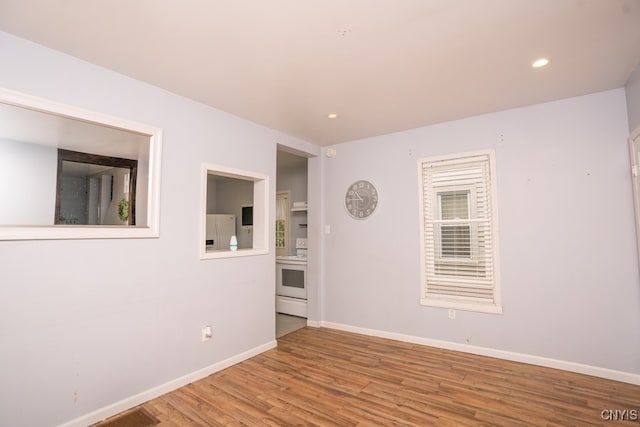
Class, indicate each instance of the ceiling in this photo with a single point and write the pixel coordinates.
(381, 65)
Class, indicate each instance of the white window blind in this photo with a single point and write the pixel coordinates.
(459, 232)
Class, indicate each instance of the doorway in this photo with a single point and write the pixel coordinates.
(291, 237)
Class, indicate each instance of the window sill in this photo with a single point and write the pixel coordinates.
(465, 306)
(10, 232)
(217, 254)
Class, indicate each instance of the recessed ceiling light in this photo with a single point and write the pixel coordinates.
(540, 62)
(332, 116)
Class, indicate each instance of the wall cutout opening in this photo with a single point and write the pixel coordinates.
(111, 167)
(235, 208)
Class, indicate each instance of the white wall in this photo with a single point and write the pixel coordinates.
(570, 286)
(85, 324)
(633, 98)
(27, 183)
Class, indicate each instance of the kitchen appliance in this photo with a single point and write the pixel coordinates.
(291, 281)
(220, 228)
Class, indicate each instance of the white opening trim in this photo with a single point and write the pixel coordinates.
(260, 212)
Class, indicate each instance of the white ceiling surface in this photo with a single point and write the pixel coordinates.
(382, 65)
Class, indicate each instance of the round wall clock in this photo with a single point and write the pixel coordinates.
(361, 199)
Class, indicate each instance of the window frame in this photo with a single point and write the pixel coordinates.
(484, 251)
(455, 223)
(286, 221)
(261, 239)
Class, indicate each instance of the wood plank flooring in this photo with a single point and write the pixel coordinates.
(324, 377)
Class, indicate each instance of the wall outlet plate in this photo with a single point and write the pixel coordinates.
(207, 333)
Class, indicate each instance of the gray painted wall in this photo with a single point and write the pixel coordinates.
(570, 286)
(27, 183)
(87, 323)
(633, 99)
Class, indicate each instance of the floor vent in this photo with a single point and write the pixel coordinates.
(136, 418)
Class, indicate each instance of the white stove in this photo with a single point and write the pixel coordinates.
(291, 281)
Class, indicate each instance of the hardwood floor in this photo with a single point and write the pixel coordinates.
(331, 378)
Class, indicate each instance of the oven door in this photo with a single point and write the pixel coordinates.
(291, 280)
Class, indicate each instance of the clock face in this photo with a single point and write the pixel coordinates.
(361, 199)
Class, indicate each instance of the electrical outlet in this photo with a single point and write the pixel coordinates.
(207, 333)
(452, 313)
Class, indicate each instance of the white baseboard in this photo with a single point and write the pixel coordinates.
(313, 323)
(484, 351)
(138, 399)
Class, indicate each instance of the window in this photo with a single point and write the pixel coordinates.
(283, 219)
(459, 239)
(455, 236)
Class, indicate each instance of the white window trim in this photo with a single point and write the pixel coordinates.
(287, 221)
(261, 227)
(459, 302)
(153, 158)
